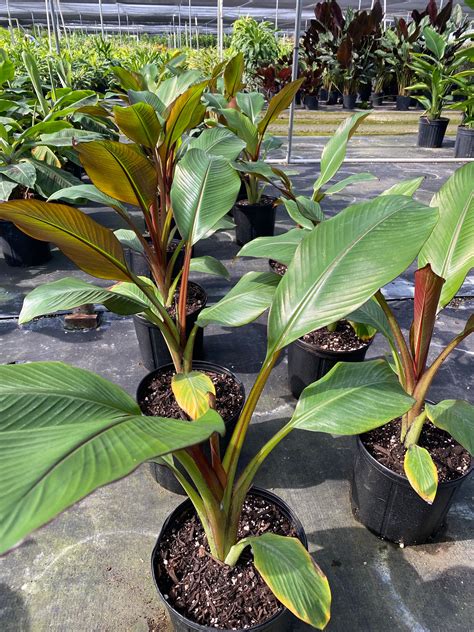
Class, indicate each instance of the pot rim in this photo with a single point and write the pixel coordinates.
(142, 318)
(465, 128)
(203, 628)
(402, 480)
(270, 203)
(315, 350)
(431, 121)
(210, 366)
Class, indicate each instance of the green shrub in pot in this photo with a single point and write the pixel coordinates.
(57, 450)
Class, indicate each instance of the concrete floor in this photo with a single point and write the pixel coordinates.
(89, 570)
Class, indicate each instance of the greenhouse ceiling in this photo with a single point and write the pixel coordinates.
(160, 15)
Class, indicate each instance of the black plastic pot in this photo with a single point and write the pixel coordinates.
(364, 91)
(323, 94)
(376, 98)
(349, 101)
(311, 102)
(281, 622)
(254, 220)
(139, 265)
(21, 250)
(403, 103)
(161, 473)
(307, 363)
(333, 97)
(153, 348)
(385, 503)
(464, 146)
(431, 132)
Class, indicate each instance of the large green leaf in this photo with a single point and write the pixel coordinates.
(170, 89)
(69, 137)
(139, 122)
(34, 75)
(85, 193)
(370, 313)
(69, 293)
(181, 117)
(128, 80)
(50, 179)
(352, 398)
(6, 189)
(204, 189)
(450, 248)
(64, 432)
(456, 417)
(421, 472)
(341, 263)
(144, 96)
(233, 72)
(334, 151)
(279, 103)
(405, 187)
(92, 247)
(218, 141)
(243, 127)
(121, 171)
(209, 265)
(353, 179)
(21, 172)
(435, 42)
(292, 575)
(282, 248)
(249, 298)
(251, 104)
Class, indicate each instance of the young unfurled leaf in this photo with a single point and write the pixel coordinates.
(192, 391)
(292, 575)
(233, 75)
(278, 103)
(421, 472)
(139, 122)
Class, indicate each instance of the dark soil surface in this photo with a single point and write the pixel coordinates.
(342, 339)
(451, 459)
(265, 200)
(160, 401)
(279, 268)
(196, 300)
(209, 592)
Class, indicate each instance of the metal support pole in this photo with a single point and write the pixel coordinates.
(54, 20)
(48, 24)
(197, 32)
(119, 21)
(12, 32)
(179, 24)
(276, 15)
(190, 26)
(220, 28)
(294, 76)
(63, 24)
(101, 15)
(174, 33)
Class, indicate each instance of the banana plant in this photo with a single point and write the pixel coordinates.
(306, 211)
(248, 123)
(443, 263)
(108, 438)
(191, 183)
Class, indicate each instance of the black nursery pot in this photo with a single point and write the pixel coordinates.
(21, 250)
(349, 101)
(153, 348)
(311, 102)
(431, 132)
(161, 473)
(323, 94)
(307, 363)
(464, 146)
(281, 622)
(254, 220)
(385, 503)
(376, 98)
(403, 103)
(365, 91)
(333, 97)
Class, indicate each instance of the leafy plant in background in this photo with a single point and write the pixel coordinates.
(401, 40)
(257, 41)
(112, 438)
(272, 77)
(437, 72)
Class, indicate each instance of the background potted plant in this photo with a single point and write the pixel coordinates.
(437, 73)
(254, 216)
(401, 40)
(109, 438)
(464, 145)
